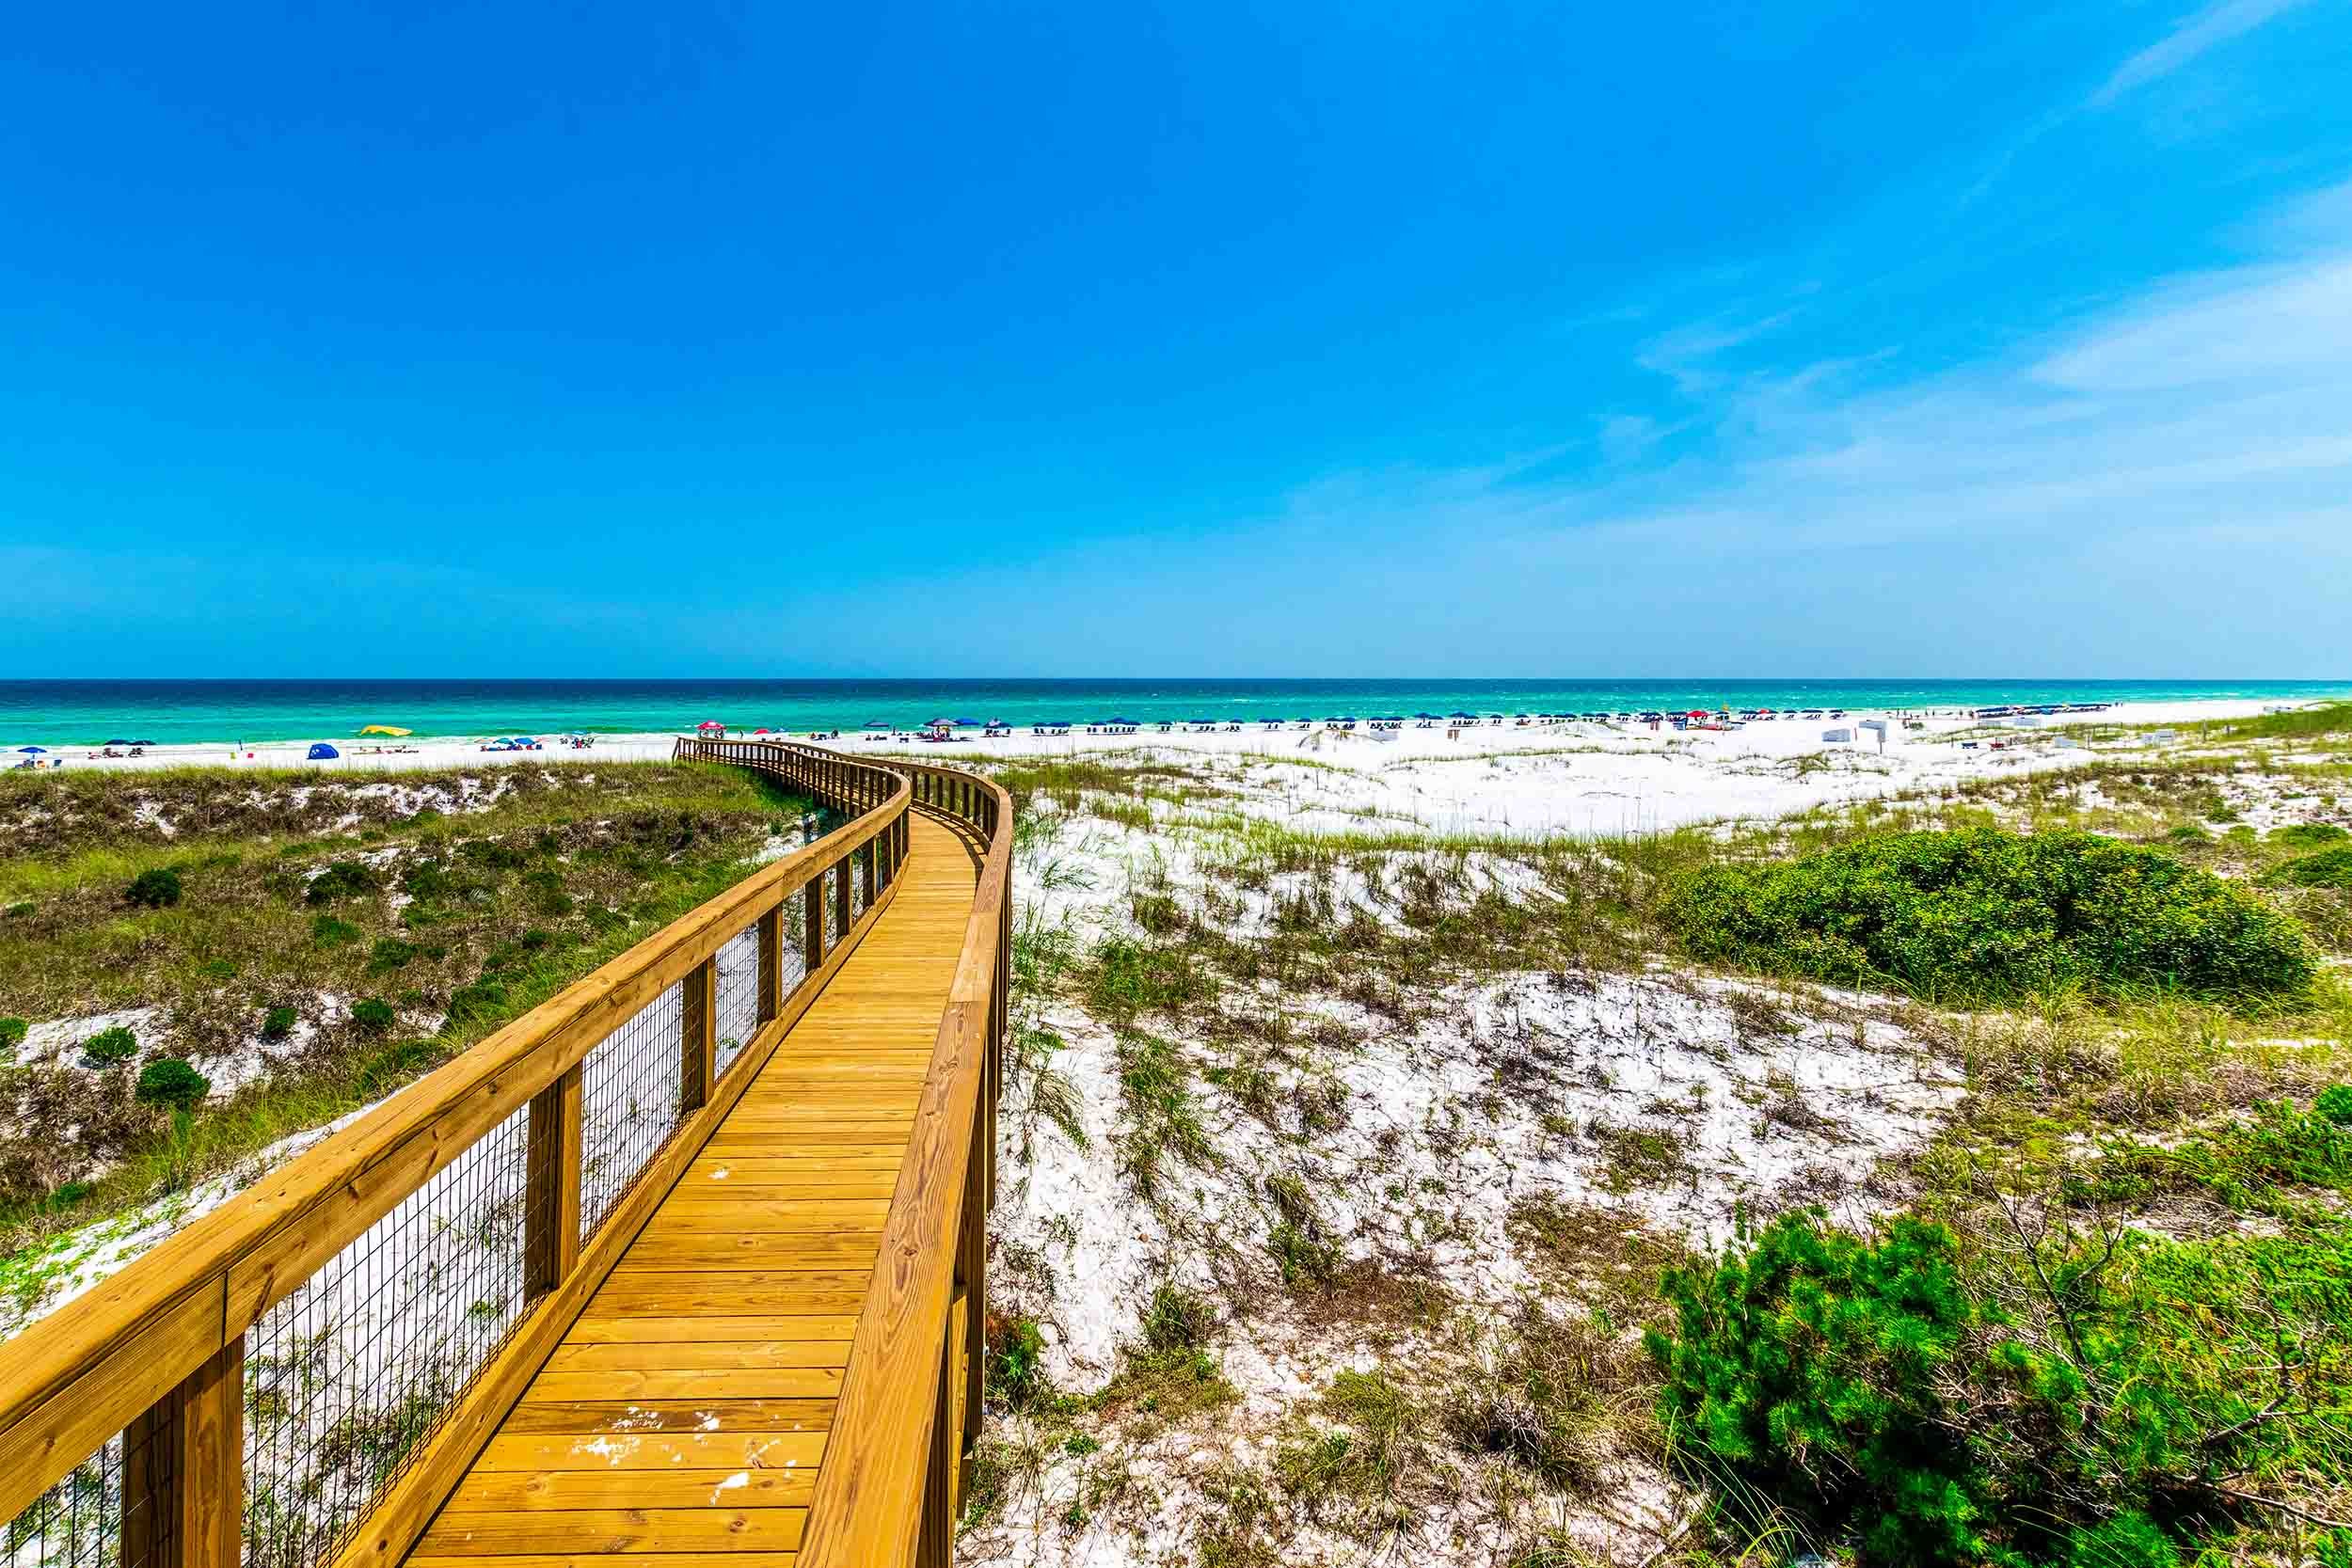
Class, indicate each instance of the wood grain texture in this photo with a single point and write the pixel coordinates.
(719, 1341)
(74, 1378)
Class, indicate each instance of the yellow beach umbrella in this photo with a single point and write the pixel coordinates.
(384, 729)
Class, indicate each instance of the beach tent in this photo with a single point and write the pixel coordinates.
(384, 729)
(322, 751)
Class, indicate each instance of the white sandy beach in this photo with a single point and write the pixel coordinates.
(1488, 779)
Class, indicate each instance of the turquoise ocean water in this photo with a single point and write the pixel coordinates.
(178, 712)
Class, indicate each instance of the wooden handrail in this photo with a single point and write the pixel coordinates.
(140, 1340)
(156, 1351)
(894, 1464)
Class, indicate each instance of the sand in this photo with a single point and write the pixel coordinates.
(1486, 779)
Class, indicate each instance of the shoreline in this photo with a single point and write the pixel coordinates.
(1510, 780)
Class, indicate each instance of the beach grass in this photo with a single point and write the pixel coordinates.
(327, 942)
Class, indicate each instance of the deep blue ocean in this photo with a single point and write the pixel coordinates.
(169, 712)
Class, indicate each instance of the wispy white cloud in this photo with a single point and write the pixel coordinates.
(2216, 25)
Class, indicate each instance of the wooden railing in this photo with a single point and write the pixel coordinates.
(900, 1450)
(125, 1432)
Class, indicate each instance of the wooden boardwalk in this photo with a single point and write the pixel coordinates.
(685, 1411)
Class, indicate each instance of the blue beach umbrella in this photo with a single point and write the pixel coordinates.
(35, 750)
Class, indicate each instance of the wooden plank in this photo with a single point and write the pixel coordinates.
(808, 1251)
(654, 1330)
(615, 1529)
(646, 1417)
(753, 1293)
(742, 1354)
(765, 1383)
(632, 1450)
(675, 1486)
(751, 1215)
(635, 1559)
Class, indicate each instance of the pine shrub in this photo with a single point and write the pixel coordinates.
(1985, 915)
(171, 1081)
(156, 888)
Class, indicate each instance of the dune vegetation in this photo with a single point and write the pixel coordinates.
(199, 963)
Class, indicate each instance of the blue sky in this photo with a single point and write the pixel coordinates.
(1530, 339)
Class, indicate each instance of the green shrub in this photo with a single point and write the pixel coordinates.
(2328, 868)
(543, 891)
(2308, 835)
(426, 880)
(156, 888)
(388, 954)
(171, 1082)
(342, 880)
(2335, 1103)
(1984, 914)
(12, 1032)
(372, 1015)
(1016, 1346)
(1811, 1367)
(483, 1000)
(109, 1046)
(1177, 1320)
(2045, 1403)
(327, 931)
(277, 1023)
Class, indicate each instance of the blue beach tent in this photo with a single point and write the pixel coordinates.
(324, 753)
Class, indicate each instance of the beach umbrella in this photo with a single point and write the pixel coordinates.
(37, 751)
(878, 724)
(967, 721)
(384, 729)
(710, 724)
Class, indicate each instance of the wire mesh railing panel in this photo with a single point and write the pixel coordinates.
(346, 1378)
(857, 883)
(103, 1514)
(738, 963)
(633, 1097)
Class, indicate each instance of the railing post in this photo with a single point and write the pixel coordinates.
(698, 1035)
(865, 868)
(771, 964)
(973, 1266)
(935, 1545)
(841, 892)
(813, 923)
(183, 1471)
(552, 1194)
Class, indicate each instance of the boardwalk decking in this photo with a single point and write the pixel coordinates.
(685, 1413)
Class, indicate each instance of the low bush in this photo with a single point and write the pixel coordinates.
(342, 880)
(1016, 1347)
(388, 954)
(2077, 1399)
(1177, 1320)
(110, 1046)
(1984, 915)
(2308, 835)
(171, 1081)
(2335, 1103)
(2328, 868)
(372, 1015)
(327, 931)
(277, 1023)
(156, 888)
(12, 1032)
